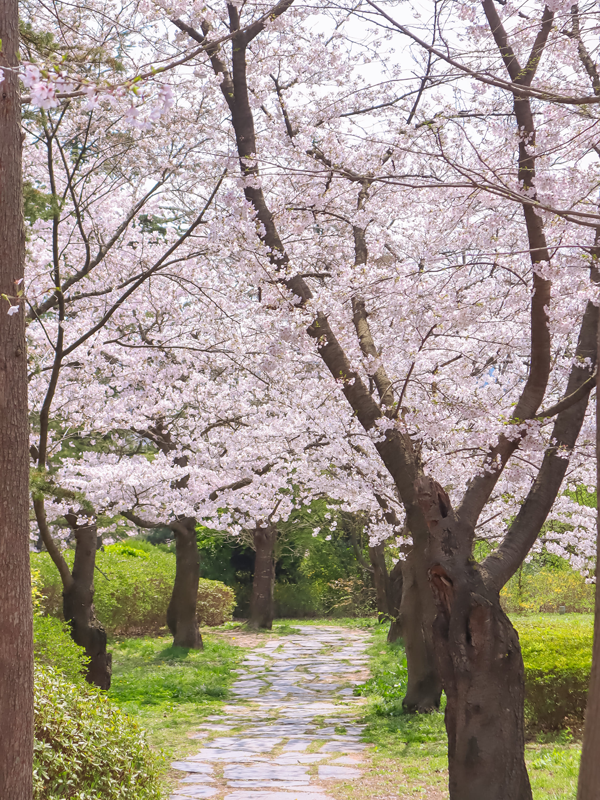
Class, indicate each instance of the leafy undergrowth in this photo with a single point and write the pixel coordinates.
(86, 748)
(168, 690)
(409, 754)
(557, 652)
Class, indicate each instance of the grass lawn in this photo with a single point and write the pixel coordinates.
(169, 690)
(409, 756)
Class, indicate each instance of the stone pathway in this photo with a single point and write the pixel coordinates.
(292, 729)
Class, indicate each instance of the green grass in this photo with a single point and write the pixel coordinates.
(168, 690)
(582, 623)
(410, 751)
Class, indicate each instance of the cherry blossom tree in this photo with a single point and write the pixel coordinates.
(101, 253)
(392, 303)
(406, 436)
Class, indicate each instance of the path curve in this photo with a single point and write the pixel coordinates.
(292, 729)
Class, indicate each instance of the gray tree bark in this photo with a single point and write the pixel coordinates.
(16, 637)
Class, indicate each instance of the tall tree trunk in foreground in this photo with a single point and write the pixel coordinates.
(381, 579)
(78, 605)
(262, 608)
(396, 582)
(16, 638)
(181, 613)
(588, 787)
(479, 661)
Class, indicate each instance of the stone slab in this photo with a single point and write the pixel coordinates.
(342, 747)
(192, 766)
(330, 772)
(242, 794)
(244, 772)
(228, 755)
(300, 758)
(269, 784)
(198, 791)
(258, 744)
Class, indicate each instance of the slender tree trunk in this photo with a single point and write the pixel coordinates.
(395, 600)
(381, 579)
(181, 613)
(78, 606)
(417, 612)
(261, 601)
(479, 662)
(16, 638)
(588, 787)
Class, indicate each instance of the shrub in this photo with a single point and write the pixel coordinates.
(54, 647)
(298, 600)
(85, 748)
(546, 589)
(557, 653)
(52, 642)
(351, 597)
(215, 602)
(133, 588)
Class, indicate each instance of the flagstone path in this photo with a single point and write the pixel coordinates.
(293, 727)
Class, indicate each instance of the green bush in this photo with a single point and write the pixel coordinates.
(52, 642)
(133, 584)
(299, 600)
(545, 589)
(557, 653)
(54, 647)
(85, 748)
(215, 602)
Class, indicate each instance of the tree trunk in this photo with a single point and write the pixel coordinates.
(395, 600)
(78, 606)
(482, 672)
(479, 661)
(182, 613)
(381, 579)
(589, 772)
(417, 612)
(261, 601)
(16, 638)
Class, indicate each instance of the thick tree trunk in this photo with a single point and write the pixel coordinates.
(481, 667)
(395, 600)
(181, 613)
(417, 613)
(78, 606)
(479, 661)
(381, 579)
(16, 638)
(261, 601)
(588, 786)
